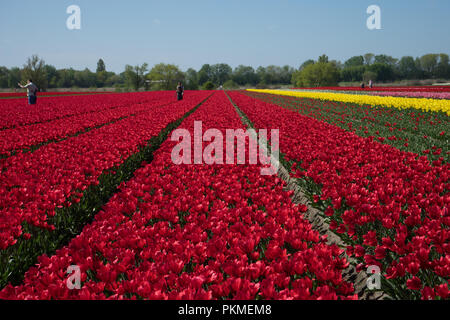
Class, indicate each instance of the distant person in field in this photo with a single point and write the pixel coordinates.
(363, 85)
(370, 84)
(32, 90)
(180, 91)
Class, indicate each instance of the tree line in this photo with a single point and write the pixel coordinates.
(312, 73)
(380, 68)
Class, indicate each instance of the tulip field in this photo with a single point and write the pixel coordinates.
(89, 181)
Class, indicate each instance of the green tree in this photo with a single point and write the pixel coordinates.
(323, 59)
(263, 77)
(306, 63)
(4, 74)
(318, 74)
(14, 76)
(208, 85)
(135, 76)
(244, 75)
(35, 69)
(101, 74)
(429, 63)
(220, 73)
(369, 75)
(66, 78)
(385, 59)
(52, 76)
(191, 79)
(407, 68)
(101, 66)
(353, 74)
(443, 67)
(85, 78)
(230, 85)
(354, 62)
(113, 79)
(383, 71)
(101, 78)
(368, 59)
(165, 76)
(286, 74)
(205, 74)
(272, 75)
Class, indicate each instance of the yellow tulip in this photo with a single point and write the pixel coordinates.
(396, 102)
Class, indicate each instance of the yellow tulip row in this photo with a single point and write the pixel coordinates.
(397, 102)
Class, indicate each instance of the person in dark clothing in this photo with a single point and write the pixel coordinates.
(180, 91)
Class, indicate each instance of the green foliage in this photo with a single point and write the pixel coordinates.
(387, 68)
(323, 59)
(354, 62)
(319, 74)
(217, 73)
(353, 74)
(4, 75)
(384, 72)
(230, 85)
(369, 75)
(221, 73)
(275, 75)
(386, 60)
(368, 58)
(85, 78)
(101, 66)
(306, 63)
(191, 80)
(165, 76)
(262, 85)
(204, 74)
(407, 68)
(35, 69)
(243, 75)
(134, 76)
(118, 88)
(209, 86)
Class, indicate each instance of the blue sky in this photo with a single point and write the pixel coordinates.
(191, 33)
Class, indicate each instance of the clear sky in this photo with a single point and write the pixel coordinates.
(191, 33)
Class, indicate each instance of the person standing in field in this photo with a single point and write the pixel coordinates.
(370, 84)
(32, 89)
(180, 91)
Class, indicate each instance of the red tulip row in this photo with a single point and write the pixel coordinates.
(26, 136)
(33, 185)
(195, 232)
(48, 93)
(15, 113)
(391, 207)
